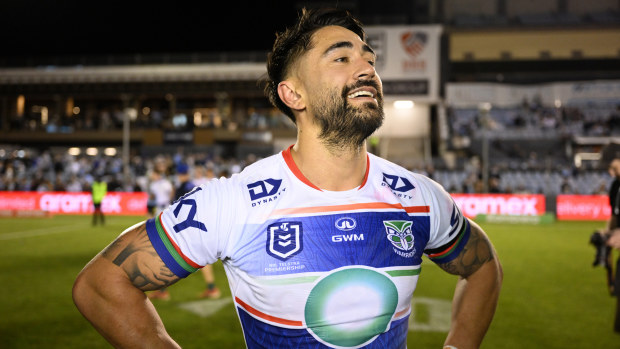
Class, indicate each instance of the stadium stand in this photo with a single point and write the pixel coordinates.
(223, 121)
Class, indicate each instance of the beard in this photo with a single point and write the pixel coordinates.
(344, 125)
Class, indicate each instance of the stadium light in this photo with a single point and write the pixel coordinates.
(75, 151)
(580, 157)
(92, 151)
(197, 118)
(403, 104)
(110, 151)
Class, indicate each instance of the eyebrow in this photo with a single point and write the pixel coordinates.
(347, 44)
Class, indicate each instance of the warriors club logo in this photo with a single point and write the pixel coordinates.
(399, 234)
(284, 239)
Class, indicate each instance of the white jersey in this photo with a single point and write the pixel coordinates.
(310, 268)
(162, 190)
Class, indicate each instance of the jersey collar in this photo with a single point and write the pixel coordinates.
(288, 158)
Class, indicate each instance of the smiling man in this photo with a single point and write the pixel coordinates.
(331, 256)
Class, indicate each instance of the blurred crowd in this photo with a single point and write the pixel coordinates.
(26, 170)
(532, 120)
(23, 170)
(111, 118)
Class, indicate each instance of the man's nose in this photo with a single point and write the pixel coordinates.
(365, 70)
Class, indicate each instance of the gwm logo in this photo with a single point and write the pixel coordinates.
(413, 42)
(346, 224)
(284, 239)
(399, 233)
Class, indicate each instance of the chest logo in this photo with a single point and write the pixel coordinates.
(399, 234)
(346, 224)
(284, 239)
(396, 183)
(262, 189)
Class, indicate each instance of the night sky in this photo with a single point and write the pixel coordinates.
(119, 27)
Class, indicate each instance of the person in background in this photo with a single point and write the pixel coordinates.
(212, 291)
(612, 233)
(99, 189)
(161, 189)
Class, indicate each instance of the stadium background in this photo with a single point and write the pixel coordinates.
(512, 105)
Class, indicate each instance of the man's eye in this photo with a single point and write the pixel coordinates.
(342, 59)
(371, 63)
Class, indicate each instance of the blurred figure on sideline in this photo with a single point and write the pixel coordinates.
(161, 189)
(185, 186)
(612, 234)
(99, 189)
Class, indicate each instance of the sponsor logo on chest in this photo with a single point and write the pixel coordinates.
(347, 224)
(265, 191)
(400, 186)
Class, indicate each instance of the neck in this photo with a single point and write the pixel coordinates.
(328, 167)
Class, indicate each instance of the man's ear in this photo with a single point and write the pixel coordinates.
(288, 94)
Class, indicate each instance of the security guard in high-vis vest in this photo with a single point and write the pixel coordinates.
(99, 190)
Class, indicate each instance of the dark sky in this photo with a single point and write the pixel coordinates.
(60, 27)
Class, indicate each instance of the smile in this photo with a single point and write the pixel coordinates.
(361, 94)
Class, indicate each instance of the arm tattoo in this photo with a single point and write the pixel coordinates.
(477, 251)
(134, 253)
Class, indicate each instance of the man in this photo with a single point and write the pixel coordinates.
(613, 233)
(99, 189)
(323, 242)
(161, 189)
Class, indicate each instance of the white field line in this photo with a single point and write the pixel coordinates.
(40, 232)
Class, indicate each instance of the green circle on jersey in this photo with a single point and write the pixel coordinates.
(351, 306)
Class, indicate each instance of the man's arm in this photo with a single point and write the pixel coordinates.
(109, 292)
(477, 290)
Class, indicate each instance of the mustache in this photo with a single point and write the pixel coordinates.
(362, 83)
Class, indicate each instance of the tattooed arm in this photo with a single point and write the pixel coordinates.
(109, 292)
(477, 291)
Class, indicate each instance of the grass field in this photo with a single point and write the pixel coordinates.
(552, 297)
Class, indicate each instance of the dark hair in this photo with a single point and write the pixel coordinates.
(295, 41)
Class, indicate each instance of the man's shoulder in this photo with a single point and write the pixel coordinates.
(395, 169)
(262, 166)
(269, 167)
(395, 173)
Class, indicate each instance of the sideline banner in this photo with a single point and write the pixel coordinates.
(583, 207)
(500, 204)
(114, 203)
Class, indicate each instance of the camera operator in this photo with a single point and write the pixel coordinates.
(612, 234)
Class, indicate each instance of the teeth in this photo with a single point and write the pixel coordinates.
(360, 93)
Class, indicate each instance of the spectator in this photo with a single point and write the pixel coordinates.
(99, 189)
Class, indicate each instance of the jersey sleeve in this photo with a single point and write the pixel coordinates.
(193, 231)
(449, 228)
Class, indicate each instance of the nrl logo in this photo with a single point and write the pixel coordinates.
(284, 239)
(399, 234)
